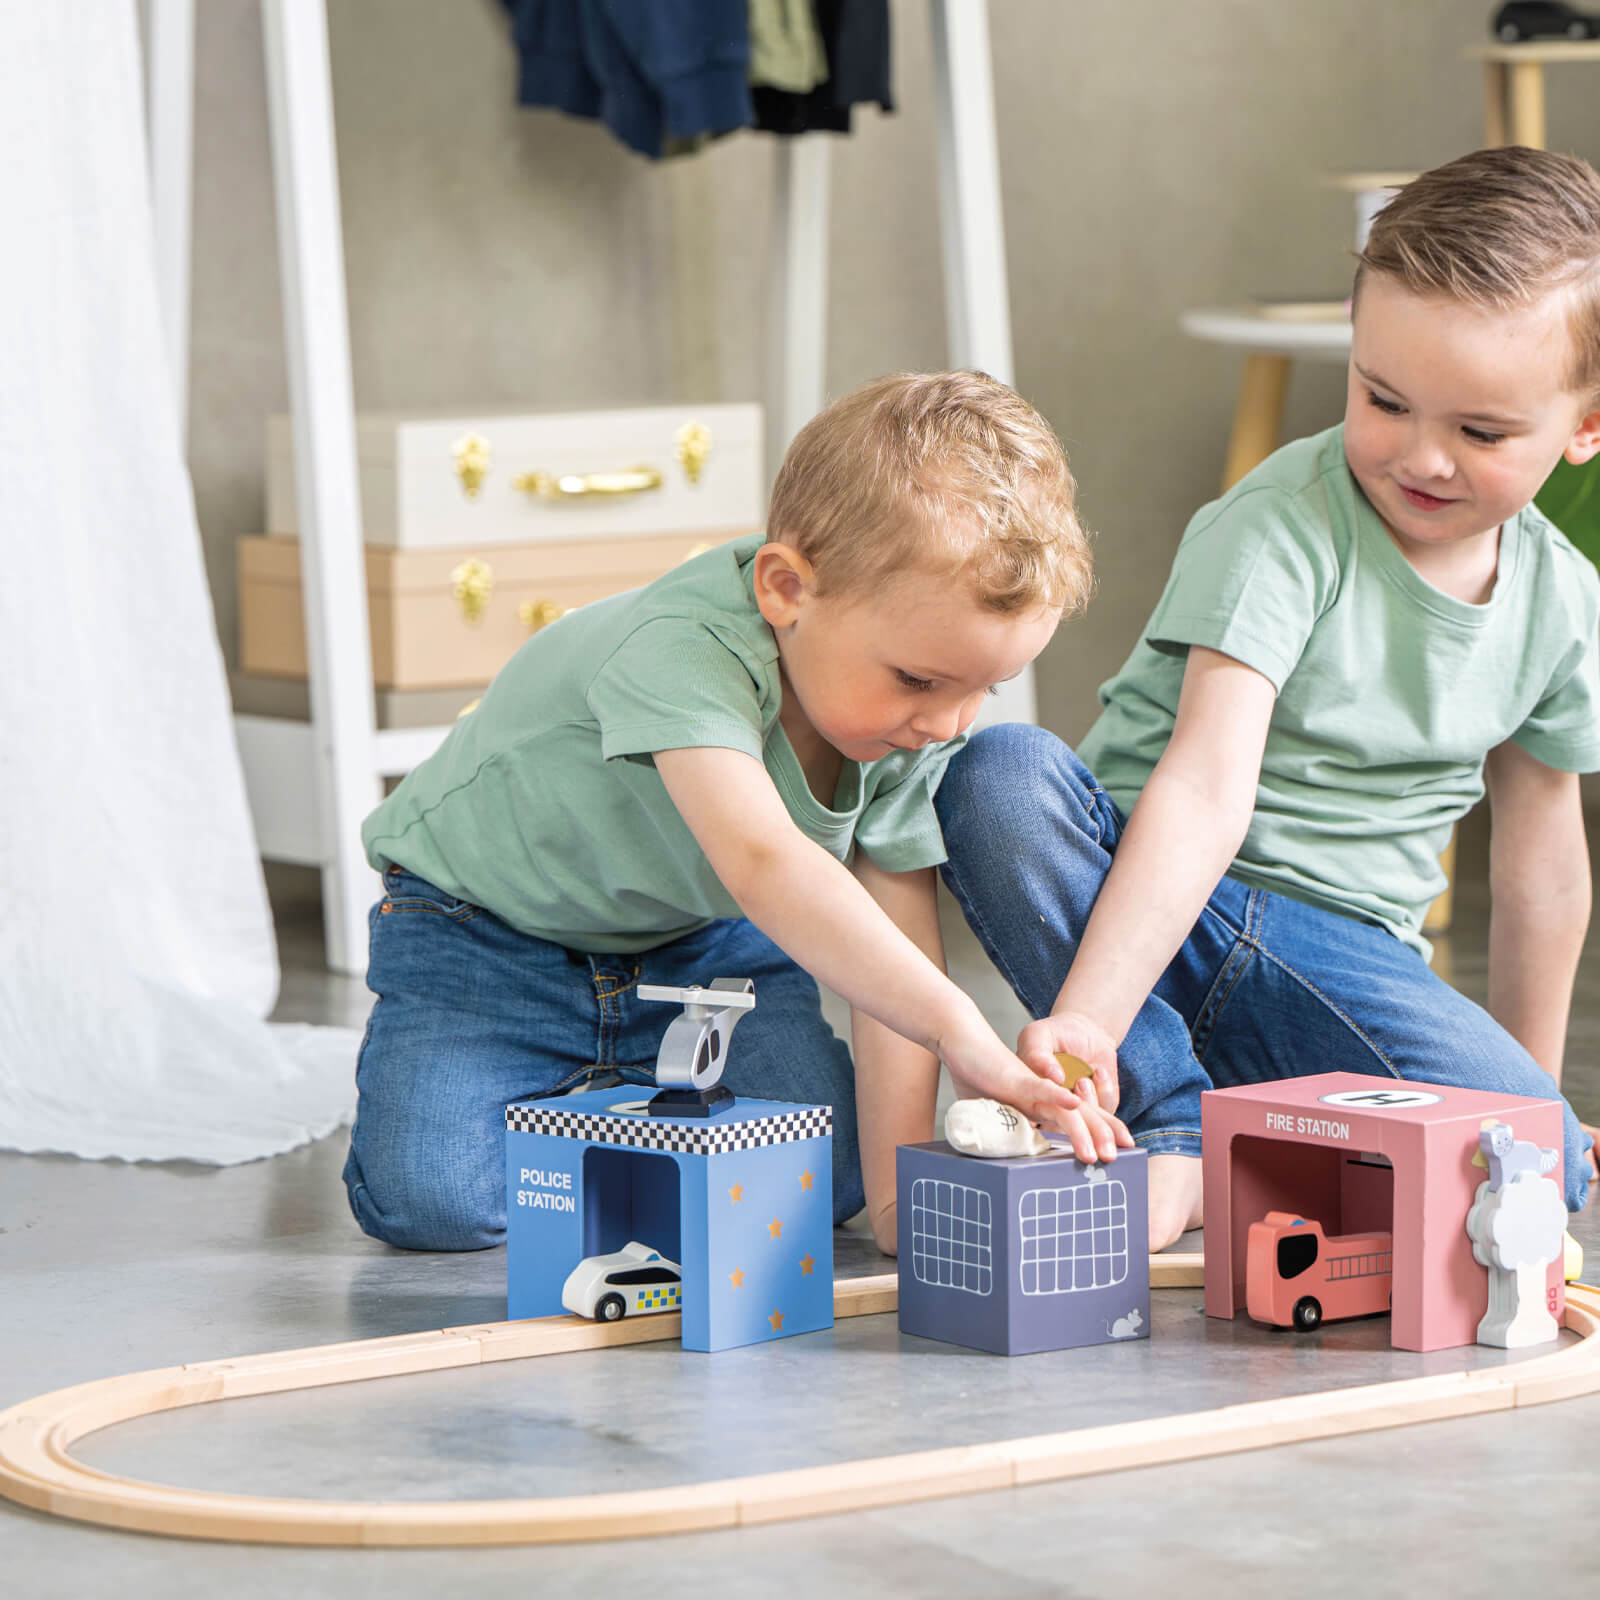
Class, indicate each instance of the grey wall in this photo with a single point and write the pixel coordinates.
(1156, 154)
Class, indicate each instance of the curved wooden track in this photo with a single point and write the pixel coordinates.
(37, 1468)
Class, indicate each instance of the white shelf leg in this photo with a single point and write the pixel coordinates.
(977, 305)
(317, 338)
(169, 120)
(977, 302)
(798, 320)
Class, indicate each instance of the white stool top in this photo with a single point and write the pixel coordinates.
(1540, 50)
(1322, 333)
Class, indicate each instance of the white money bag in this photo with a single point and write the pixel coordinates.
(987, 1128)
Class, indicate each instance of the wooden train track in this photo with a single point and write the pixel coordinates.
(37, 1468)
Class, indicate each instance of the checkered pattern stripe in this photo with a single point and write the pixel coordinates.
(683, 1138)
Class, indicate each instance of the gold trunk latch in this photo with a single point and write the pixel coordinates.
(537, 614)
(472, 458)
(472, 583)
(692, 447)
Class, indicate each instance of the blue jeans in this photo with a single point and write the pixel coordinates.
(1264, 987)
(471, 1014)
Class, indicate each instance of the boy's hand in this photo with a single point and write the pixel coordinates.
(1037, 1089)
(1089, 1048)
(1077, 1045)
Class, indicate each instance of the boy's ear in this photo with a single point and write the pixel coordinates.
(783, 579)
(1585, 440)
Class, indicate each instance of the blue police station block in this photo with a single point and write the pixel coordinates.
(1019, 1256)
(741, 1200)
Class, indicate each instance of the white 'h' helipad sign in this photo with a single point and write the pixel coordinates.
(1379, 1099)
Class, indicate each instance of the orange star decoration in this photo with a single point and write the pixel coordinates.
(806, 1177)
(806, 1264)
(774, 1228)
(776, 1319)
(736, 1277)
(736, 1193)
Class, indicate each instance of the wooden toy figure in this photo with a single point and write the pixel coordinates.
(1517, 1225)
(1010, 1244)
(1366, 1156)
(695, 1200)
(1296, 1276)
(632, 1281)
(694, 1048)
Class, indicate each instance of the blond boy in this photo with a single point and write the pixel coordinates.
(727, 773)
(1356, 640)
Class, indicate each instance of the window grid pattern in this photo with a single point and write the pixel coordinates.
(1074, 1238)
(952, 1236)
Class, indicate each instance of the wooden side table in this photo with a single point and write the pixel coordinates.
(1513, 86)
(1271, 337)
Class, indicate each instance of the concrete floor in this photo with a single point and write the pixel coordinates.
(108, 1268)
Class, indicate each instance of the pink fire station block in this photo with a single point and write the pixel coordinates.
(1362, 1154)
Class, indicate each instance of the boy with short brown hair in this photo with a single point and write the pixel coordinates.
(1354, 640)
(727, 773)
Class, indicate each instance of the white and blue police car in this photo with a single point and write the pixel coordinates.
(632, 1281)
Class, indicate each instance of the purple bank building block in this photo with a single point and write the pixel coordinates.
(1022, 1255)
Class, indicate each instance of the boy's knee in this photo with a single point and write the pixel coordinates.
(1009, 752)
(1575, 1167)
(1008, 759)
(415, 1211)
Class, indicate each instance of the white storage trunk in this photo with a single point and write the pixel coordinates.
(697, 469)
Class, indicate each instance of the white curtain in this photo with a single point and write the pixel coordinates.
(136, 949)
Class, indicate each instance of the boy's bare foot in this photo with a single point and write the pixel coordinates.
(1175, 1195)
(1593, 1157)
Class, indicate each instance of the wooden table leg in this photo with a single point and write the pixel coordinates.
(1494, 103)
(1257, 416)
(1526, 101)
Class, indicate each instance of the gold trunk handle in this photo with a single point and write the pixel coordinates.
(565, 486)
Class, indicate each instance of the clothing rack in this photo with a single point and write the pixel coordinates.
(310, 784)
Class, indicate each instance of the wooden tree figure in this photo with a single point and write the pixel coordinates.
(1518, 1225)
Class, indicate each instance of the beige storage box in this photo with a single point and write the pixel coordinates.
(444, 619)
(515, 479)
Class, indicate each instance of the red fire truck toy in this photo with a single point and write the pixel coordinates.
(1296, 1276)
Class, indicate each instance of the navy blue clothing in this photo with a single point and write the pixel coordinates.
(654, 71)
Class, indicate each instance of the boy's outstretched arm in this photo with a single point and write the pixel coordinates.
(812, 908)
(1540, 896)
(897, 1081)
(1186, 828)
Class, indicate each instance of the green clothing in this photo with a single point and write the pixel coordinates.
(786, 50)
(544, 805)
(1390, 693)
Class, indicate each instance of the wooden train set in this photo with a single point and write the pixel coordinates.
(37, 1468)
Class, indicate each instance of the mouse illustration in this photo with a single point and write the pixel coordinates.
(1124, 1327)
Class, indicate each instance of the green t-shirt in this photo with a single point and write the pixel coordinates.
(544, 805)
(1390, 693)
